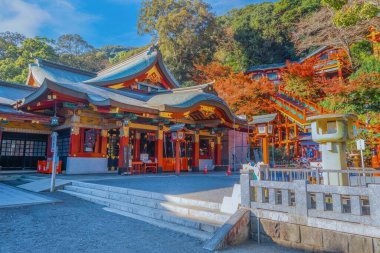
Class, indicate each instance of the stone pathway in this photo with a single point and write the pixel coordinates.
(10, 196)
(43, 185)
(75, 225)
(211, 187)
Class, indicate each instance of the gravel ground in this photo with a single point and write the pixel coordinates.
(75, 225)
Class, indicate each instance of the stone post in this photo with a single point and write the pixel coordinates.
(374, 203)
(246, 191)
(300, 191)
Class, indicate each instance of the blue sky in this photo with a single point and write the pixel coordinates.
(100, 22)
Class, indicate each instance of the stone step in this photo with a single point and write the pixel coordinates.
(202, 235)
(154, 213)
(210, 215)
(150, 195)
(31, 178)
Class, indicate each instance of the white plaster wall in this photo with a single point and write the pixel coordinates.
(86, 165)
(206, 162)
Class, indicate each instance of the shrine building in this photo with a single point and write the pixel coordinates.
(129, 113)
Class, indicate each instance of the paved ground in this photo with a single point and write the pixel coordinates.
(75, 225)
(11, 196)
(43, 185)
(210, 187)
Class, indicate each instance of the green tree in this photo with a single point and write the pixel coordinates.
(74, 51)
(112, 51)
(14, 67)
(72, 44)
(9, 39)
(350, 13)
(187, 31)
(259, 33)
(360, 51)
(122, 55)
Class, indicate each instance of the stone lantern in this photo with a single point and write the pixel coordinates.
(332, 131)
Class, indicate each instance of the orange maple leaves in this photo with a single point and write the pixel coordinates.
(243, 94)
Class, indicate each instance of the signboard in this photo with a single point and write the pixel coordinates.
(54, 150)
(53, 141)
(360, 144)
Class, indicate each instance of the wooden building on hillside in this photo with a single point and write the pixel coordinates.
(328, 62)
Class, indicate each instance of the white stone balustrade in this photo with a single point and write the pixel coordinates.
(349, 210)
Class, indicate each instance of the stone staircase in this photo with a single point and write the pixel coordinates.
(195, 218)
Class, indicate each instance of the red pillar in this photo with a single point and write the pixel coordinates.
(287, 147)
(75, 141)
(265, 147)
(103, 143)
(218, 160)
(196, 153)
(160, 151)
(136, 155)
(123, 145)
(177, 157)
(296, 143)
(81, 140)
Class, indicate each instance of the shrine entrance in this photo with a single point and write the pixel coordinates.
(185, 150)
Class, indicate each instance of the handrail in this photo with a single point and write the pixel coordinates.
(315, 105)
(292, 106)
(317, 174)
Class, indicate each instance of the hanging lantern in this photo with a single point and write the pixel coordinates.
(54, 121)
(270, 128)
(178, 136)
(174, 136)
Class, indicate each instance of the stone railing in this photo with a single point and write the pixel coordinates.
(299, 198)
(316, 175)
(311, 216)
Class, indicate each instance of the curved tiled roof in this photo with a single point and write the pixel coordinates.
(125, 69)
(283, 65)
(132, 67)
(42, 69)
(11, 92)
(183, 99)
(263, 119)
(176, 100)
(98, 96)
(121, 72)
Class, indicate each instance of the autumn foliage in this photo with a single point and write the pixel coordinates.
(242, 94)
(300, 79)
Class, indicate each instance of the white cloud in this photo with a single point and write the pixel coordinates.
(67, 18)
(37, 17)
(20, 16)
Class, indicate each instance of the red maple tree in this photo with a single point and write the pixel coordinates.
(242, 93)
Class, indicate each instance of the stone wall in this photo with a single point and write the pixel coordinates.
(313, 217)
(311, 238)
